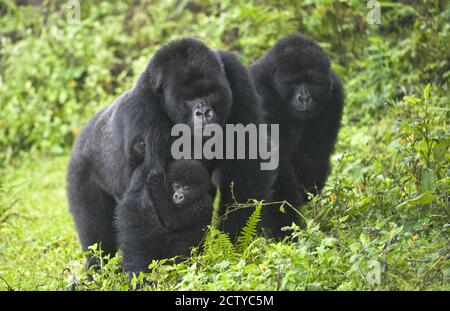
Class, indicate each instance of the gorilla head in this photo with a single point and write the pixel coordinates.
(302, 76)
(191, 81)
(188, 181)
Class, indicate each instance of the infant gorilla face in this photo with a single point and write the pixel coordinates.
(188, 181)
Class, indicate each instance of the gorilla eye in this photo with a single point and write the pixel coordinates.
(139, 146)
(176, 185)
(186, 187)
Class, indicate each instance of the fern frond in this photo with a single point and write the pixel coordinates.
(217, 243)
(248, 233)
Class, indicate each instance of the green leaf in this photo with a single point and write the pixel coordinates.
(217, 244)
(412, 100)
(428, 180)
(248, 233)
(440, 149)
(424, 198)
(343, 219)
(426, 92)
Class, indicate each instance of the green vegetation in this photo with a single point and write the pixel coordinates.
(386, 204)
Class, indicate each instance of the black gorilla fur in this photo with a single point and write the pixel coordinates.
(183, 79)
(301, 93)
(152, 224)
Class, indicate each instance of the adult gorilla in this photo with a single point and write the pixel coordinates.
(183, 81)
(302, 94)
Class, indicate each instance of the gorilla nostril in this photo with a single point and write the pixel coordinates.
(198, 113)
(303, 97)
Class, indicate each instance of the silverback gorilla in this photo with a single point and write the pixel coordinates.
(305, 97)
(157, 219)
(184, 81)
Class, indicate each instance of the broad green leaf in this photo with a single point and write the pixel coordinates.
(428, 180)
(424, 198)
(422, 147)
(440, 149)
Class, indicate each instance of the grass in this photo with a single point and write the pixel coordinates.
(38, 239)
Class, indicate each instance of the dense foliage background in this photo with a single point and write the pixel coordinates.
(382, 222)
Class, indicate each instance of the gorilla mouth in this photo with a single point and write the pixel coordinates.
(303, 110)
(304, 106)
(198, 128)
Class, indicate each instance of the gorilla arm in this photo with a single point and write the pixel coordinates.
(139, 233)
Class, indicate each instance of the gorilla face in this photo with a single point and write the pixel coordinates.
(184, 194)
(188, 181)
(198, 100)
(192, 83)
(303, 98)
(302, 77)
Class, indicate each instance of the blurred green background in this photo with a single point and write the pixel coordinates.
(387, 199)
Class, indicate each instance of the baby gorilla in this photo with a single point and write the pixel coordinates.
(158, 219)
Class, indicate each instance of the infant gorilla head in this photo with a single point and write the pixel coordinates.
(183, 200)
(187, 181)
(303, 77)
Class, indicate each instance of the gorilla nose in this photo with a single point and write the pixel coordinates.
(178, 197)
(303, 96)
(304, 102)
(203, 113)
(198, 113)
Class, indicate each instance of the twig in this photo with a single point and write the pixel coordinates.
(7, 284)
(251, 203)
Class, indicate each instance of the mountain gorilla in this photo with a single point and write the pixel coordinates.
(158, 219)
(302, 94)
(185, 80)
